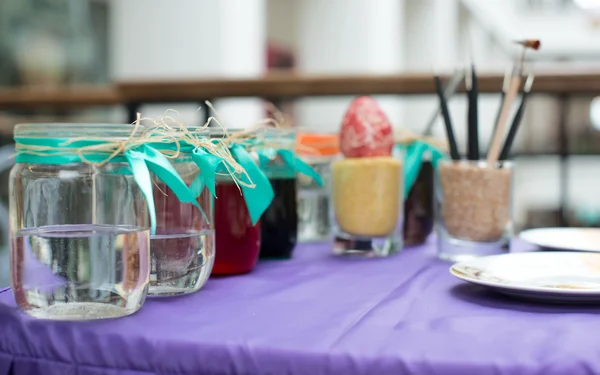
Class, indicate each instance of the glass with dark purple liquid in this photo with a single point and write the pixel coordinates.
(279, 223)
(279, 227)
(418, 208)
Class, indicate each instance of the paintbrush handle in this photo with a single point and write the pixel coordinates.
(513, 128)
(447, 120)
(448, 94)
(513, 90)
(502, 97)
(472, 115)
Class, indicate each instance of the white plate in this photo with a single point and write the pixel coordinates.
(548, 276)
(577, 239)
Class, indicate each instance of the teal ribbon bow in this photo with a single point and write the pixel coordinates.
(300, 166)
(257, 198)
(413, 161)
(209, 166)
(145, 159)
(142, 160)
(292, 163)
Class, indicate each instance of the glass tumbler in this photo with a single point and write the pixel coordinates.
(473, 208)
(79, 232)
(182, 251)
(314, 221)
(367, 205)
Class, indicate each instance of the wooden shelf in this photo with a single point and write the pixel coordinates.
(274, 86)
(292, 85)
(58, 98)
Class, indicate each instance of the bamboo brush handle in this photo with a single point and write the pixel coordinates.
(513, 90)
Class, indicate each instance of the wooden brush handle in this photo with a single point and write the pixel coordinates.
(513, 90)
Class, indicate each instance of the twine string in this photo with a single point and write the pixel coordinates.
(167, 129)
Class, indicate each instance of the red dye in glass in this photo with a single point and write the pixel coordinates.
(237, 240)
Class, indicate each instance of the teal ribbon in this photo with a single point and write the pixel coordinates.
(145, 159)
(299, 166)
(209, 166)
(62, 152)
(293, 164)
(257, 198)
(142, 160)
(413, 161)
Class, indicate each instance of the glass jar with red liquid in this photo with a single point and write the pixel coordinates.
(237, 226)
(237, 239)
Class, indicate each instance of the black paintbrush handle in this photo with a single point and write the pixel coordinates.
(447, 121)
(473, 114)
(514, 127)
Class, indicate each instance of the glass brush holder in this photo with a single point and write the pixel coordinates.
(79, 231)
(473, 208)
(367, 207)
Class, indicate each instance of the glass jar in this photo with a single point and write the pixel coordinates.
(279, 223)
(318, 151)
(237, 226)
(182, 250)
(79, 232)
(368, 205)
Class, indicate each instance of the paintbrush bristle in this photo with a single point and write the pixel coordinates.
(533, 44)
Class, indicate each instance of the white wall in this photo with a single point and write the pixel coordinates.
(187, 39)
(347, 37)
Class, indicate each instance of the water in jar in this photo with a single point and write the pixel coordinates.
(80, 271)
(314, 223)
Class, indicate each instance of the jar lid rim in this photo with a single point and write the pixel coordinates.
(75, 129)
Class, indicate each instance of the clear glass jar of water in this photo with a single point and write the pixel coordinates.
(79, 232)
(314, 219)
(183, 247)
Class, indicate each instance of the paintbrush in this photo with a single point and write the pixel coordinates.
(517, 120)
(505, 84)
(449, 92)
(511, 94)
(447, 120)
(472, 115)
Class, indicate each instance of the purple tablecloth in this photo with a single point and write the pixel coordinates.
(317, 314)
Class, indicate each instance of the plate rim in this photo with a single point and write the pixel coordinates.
(523, 234)
(535, 289)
